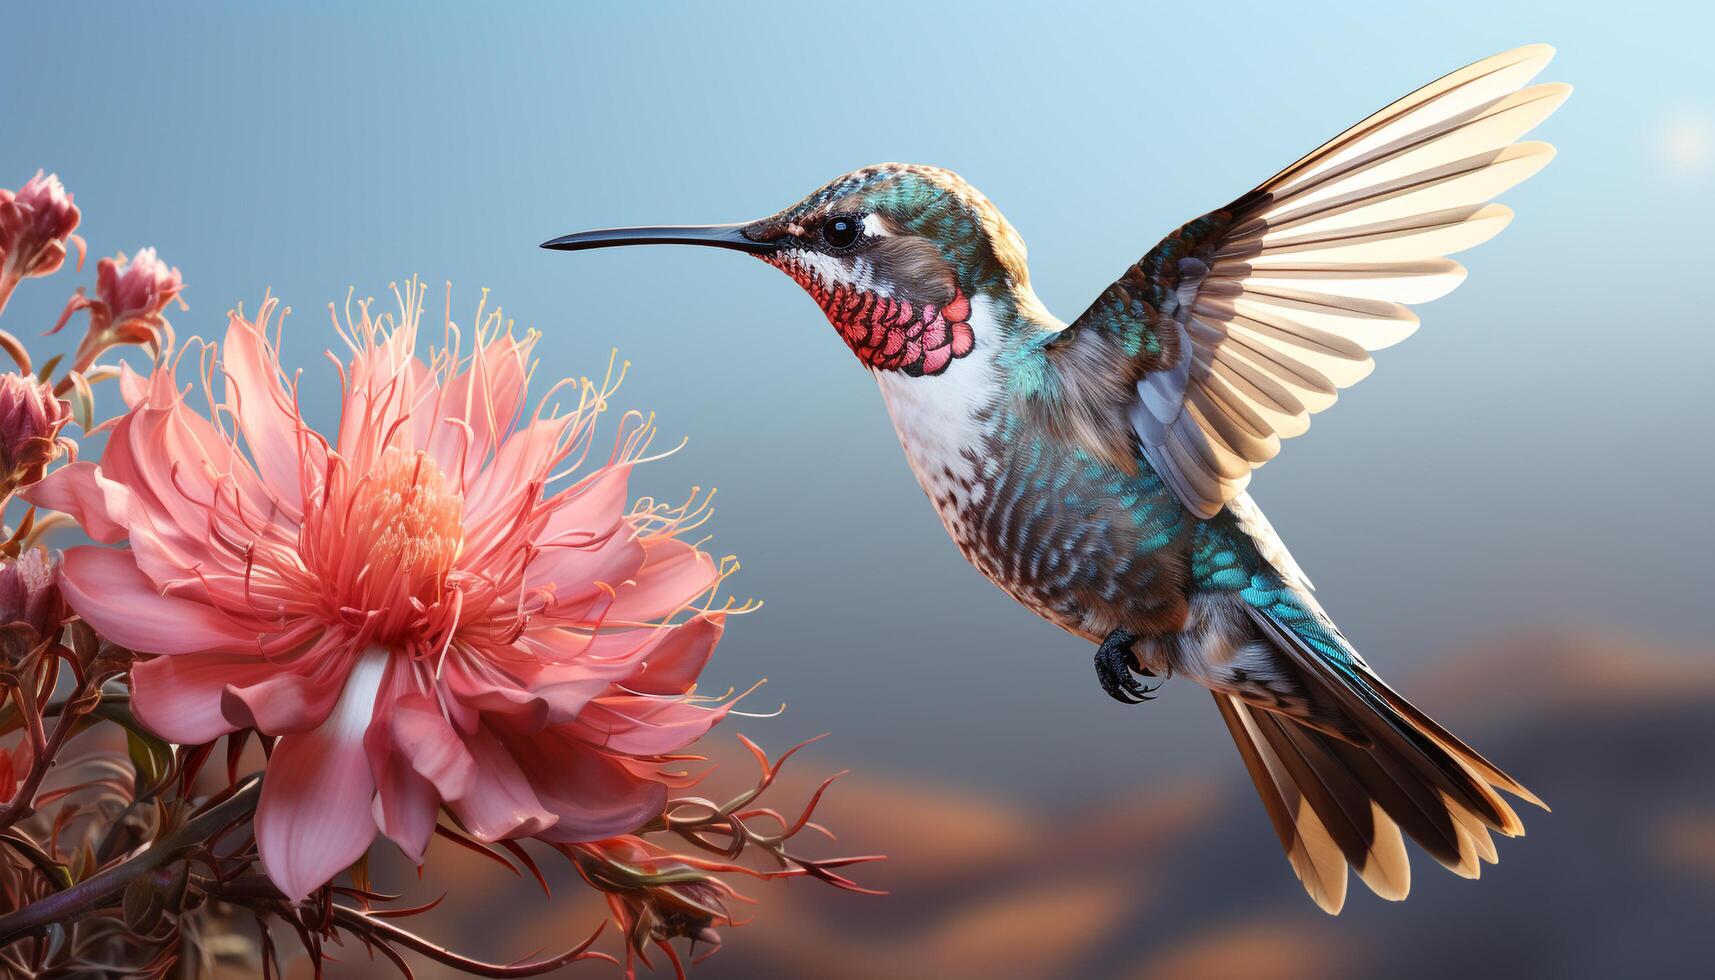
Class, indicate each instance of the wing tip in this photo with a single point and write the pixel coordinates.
(1531, 149)
(1538, 51)
(1555, 93)
(1495, 216)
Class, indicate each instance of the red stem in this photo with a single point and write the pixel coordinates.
(356, 921)
(23, 803)
(259, 895)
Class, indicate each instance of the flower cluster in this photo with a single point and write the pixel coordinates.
(447, 617)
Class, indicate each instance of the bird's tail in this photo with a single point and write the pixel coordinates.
(1338, 801)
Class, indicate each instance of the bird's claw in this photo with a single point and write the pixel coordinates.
(1115, 665)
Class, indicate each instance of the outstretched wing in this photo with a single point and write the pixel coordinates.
(1242, 324)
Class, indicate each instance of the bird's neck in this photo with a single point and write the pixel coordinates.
(945, 422)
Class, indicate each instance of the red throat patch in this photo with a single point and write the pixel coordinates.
(885, 333)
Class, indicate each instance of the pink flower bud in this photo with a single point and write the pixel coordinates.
(130, 296)
(30, 422)
(29, 593)
(35, 224)
(139, 290)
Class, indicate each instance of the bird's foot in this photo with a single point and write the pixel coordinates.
(1115, 665)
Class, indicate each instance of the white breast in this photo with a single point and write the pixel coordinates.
(938, 417)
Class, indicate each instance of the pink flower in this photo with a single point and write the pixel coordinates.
(29, 595)
(420, 607)
(36, 222)
(30, 422)
(131, 296)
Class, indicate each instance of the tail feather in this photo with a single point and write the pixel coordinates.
(1349, 801)
(1375, 709)
(1453, 744)
(1419, 810)
(1301, 769)
(1310, 849)
(1372, 841)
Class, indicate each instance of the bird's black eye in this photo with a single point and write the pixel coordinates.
(841, 230)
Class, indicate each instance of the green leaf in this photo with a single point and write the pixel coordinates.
(82, 401)
(55, 871)
(150, 757)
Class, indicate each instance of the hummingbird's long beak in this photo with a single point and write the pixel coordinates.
(717, 236)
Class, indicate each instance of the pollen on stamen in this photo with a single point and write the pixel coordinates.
(410, 515)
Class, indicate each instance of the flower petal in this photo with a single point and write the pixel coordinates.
(176, 463)
(178, 698)
(592, 794)
(486, 691)
(643, 726)
(673, 666)
(594, 507)
(133, 387)
(574, 668)
(113, 595)
(379, 391)
(316, 814)
(406, 804)
(79, 489)
(570, 669)
(484, 397)
(501, 804)
(262, 409)
(283, 703)
(520, 459)
(673, 574)
(585, 580)
(434, 748)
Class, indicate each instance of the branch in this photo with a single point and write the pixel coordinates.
(258, 894)
(104, 887)
(363, 925)
(43, 756)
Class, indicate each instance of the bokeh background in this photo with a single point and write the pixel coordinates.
(1511, 519)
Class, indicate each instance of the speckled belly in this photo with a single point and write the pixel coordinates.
(1084, 546)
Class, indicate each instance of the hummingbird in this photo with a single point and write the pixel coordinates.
(1097, 470)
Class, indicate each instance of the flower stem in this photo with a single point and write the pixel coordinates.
(259, 894)
(23, 802)
(106, 886)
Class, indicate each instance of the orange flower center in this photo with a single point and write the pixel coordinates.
(411, 517)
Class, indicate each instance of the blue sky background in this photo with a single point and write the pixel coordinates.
(1536, 457)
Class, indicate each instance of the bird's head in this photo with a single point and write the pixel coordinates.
(894, 254)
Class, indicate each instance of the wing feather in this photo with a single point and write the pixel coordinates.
(1401, 282)
(1284, 413)
(1266, 309)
